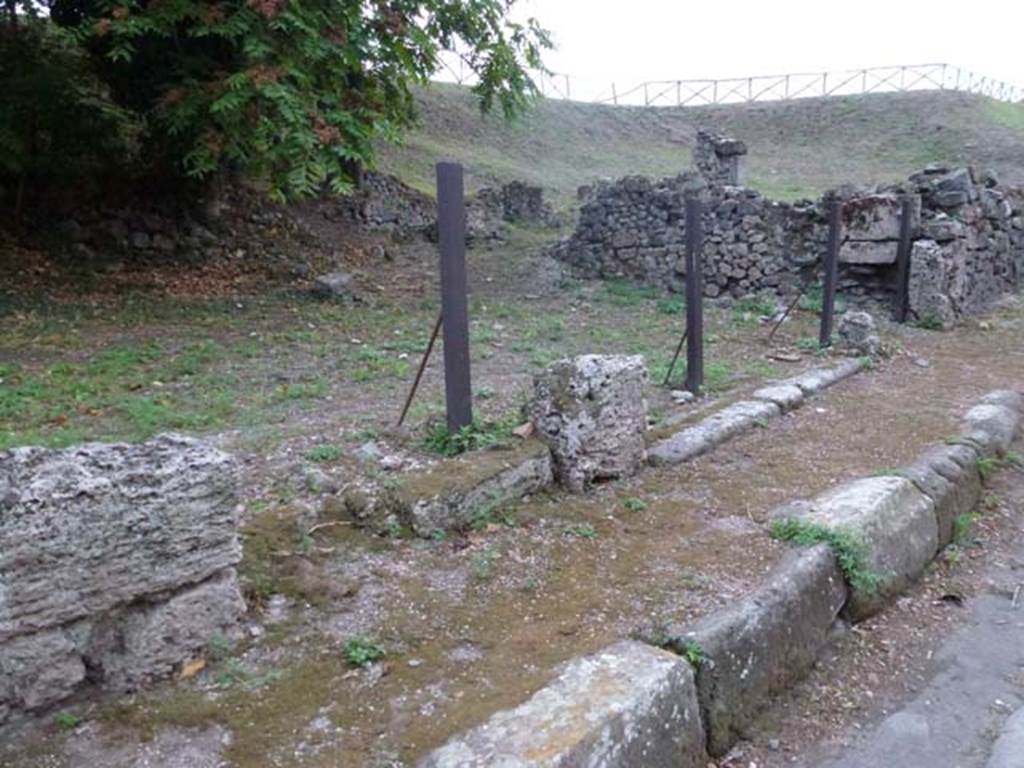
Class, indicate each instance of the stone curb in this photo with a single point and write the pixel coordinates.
(450, 496)
(627, 705)
(763, 644)
(758, 647)
(1008, 751)
(769, 402)
(891, 517)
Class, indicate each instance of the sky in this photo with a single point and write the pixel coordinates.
(626, 41)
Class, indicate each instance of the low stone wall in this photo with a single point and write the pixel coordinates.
(116, 564)
(968, 234)
(746, 653)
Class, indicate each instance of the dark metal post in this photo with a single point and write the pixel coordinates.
(902, 301)
(451, 230)
(694, 297)
(828, 286)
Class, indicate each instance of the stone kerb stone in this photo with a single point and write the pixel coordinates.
(894, 521)
(763, 644)
(115, 558)
(992, 424)
(627, 706)
(591, 413)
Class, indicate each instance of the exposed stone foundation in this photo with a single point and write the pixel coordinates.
(968, 236)
(116, 564)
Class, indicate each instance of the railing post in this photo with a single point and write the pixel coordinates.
(714, 92)
(567, 92)
(828, 287)
(787, 87)
(647, 101)
(451, 231)
(903, 250)
(679, 93)
(694, 296)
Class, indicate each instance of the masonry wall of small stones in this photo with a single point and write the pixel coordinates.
(968, 236)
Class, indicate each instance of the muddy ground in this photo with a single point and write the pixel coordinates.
(475, 621)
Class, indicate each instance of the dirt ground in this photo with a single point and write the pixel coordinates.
(476, 621)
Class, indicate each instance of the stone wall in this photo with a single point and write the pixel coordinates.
(968, 235)
(116, 564)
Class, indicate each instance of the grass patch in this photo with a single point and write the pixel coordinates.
(750, 311)
(634, 504)
(582, 531)
(470, 438)
(361, 651)
(324, 453)
(850, 550)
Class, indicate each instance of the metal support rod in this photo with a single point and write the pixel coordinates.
(694, 297)
(792, 305)
(420, 370)
(828, 292)
(675, 357)
(902, 300)
(451, 229)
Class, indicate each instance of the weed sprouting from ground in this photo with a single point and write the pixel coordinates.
(692, 651)
(324, 453)
(751, 310)
(360, 651)
(988, 465)
(68, 721)
(581, 531)
(850, 550)
(635, 505)
(470, 438)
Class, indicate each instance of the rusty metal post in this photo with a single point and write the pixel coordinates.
(902, 300)
(451, 230)
(694, 296)
(828, 285)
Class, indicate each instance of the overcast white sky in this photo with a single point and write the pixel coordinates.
(624, 40)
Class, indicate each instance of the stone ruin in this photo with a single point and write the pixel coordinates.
(717, 158)
(116, 565)
(384, 203)
(591, 413)
(967, 231)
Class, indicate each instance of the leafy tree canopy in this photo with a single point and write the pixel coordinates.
(292, 92)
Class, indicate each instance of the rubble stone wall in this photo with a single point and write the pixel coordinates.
(968, 234)
(116, 564)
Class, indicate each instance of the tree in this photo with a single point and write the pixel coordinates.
(292, 92)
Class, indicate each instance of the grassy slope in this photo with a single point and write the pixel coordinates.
(797, 148)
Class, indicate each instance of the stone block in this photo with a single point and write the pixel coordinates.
(992, 427)
(591, 413)
(453, 494)
(894, 521)
(857, 333)
(867, 252)
(877, 218)
(38, 669)
(150, 642)
(765, 643)
(712, 431)
(627, 706)
(85, 529)
(786, 396)
(816, 379)
(948, 475)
